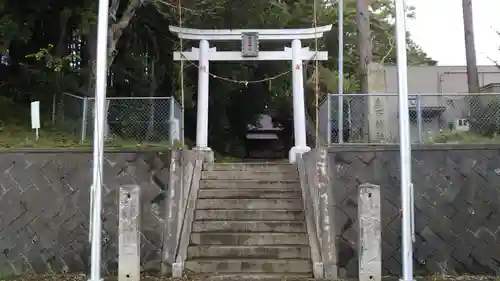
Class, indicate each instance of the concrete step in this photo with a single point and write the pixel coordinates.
(249, 226)
(231, 238)
(273, 215)
(250, 184)
(233, 251)
(249, 175)
(258, 277)
(242, 204)
(248, 193)
(249, 266)
(253, 167)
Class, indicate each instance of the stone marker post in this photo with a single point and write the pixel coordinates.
(129, 239)
(370, 238)
(326, 216)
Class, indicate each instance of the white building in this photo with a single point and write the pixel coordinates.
(443, 101)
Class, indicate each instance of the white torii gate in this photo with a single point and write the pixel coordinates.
(204, 54)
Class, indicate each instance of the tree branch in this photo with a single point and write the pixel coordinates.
(113, 9)
(126, 16)
(116, 29)
(497, 63)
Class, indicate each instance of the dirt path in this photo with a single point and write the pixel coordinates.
(83, 277)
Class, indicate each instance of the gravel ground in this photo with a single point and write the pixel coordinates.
(82, 277)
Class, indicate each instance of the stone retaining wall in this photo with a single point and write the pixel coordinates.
(457, 201)
(44, 208)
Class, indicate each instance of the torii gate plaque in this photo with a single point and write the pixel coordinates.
(204, 54)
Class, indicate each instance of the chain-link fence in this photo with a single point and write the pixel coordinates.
(434, 118)
(131, 119)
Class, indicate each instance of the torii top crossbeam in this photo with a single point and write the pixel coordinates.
(235, 34)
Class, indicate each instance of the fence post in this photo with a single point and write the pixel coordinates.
(419, 119)
(181, 126)
(129, 238)
(171, 117)
(349, 117)
(54, 102)
(370, 242)
(83, 135)
(412, 204)
(329, 122)
(340, 118)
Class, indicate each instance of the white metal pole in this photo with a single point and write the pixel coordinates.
(98, 150)
(341, 73)
(405, 146)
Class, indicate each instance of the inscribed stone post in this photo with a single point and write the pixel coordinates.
(129, 239)
(378, 104)
(370, 237)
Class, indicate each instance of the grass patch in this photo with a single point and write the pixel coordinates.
(455, 137)
(227, 159)
(448, 137)
(19, 137)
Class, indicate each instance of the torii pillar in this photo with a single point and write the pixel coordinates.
(296, 54)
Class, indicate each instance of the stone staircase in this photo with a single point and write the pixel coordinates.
(249, 221)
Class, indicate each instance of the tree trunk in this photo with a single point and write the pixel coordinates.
(472, 75)
(152, 89)
(61, 50)
(115, 31)
(365, 55)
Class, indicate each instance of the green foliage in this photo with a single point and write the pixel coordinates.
(485, 116)
(53, 62)
(10, 29)
(44, 37)
(484, 122)
(23, 137)
(456, 137)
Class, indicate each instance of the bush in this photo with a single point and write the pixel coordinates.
(463, 137)
(485, 116)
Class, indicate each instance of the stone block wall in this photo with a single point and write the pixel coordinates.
(44, 208)
(457, 206)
